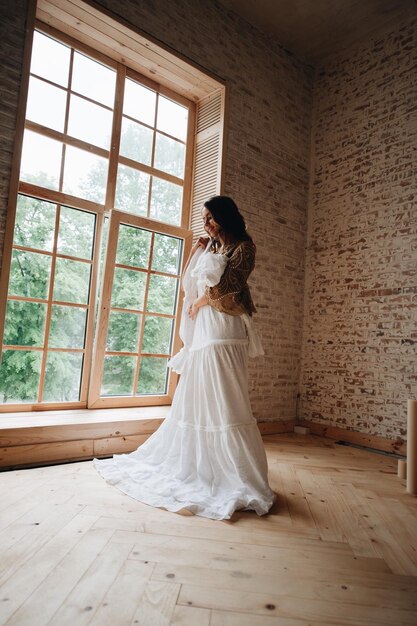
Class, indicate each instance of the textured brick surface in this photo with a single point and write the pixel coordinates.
(266, 168)
(359, 362)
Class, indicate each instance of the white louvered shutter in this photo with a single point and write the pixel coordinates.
(207, 156)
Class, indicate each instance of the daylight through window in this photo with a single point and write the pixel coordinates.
(98, 137)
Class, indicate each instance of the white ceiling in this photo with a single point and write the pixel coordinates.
(314, 29)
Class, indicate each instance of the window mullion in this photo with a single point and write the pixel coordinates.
(58, 197)
(66, 139)
(94, 285)
(143, 319)
(153, 171)
(188, 169)
(153, 155)
(64, 148)
(115, 137)
(49, 306)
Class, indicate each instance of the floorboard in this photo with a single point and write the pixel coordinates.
(338, 547)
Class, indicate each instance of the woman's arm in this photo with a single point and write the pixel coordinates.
(197, 304)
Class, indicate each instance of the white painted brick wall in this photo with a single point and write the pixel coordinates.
(359, 362)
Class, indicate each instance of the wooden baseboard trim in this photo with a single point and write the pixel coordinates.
(275, 428)
(395, 446)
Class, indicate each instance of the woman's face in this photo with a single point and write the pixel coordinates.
(211, 227)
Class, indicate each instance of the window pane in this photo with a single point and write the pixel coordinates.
(123, 332)
(19, 375)
(166, 201)
(25, 323)
(50, 59)
(41, 160)
(35, 223)
(118, 375)
(67, 328)
(172, 118)
(93, 79)
(29, 275)
(128, 289)
(132, 190)
(139, 102)
(85, 175)
(76, 233)
(133, 246)
(162, 294)
(157, 335)
(166, 255)
(90, 122)
(169, 155)
(62, 377)
(136, 142)
(72, 281)
(152, 376)
(46, 104)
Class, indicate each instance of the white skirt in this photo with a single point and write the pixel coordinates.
(208, 455)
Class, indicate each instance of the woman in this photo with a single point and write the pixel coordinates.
(207, 456)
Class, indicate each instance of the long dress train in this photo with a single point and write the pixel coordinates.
(208, 455)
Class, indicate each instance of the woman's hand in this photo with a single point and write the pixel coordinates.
(200, 243)
(197, 304)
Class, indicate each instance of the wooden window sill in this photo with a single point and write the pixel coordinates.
(28, 440)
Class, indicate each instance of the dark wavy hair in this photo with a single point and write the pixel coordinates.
(227, 215)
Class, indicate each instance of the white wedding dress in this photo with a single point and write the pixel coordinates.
(208, 455)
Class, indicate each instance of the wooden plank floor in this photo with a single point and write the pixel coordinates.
(339, 547)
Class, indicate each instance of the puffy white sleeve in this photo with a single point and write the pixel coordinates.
(212, 270)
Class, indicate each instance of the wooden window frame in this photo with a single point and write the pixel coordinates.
(100, 210)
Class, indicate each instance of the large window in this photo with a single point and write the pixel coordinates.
(102, 144)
